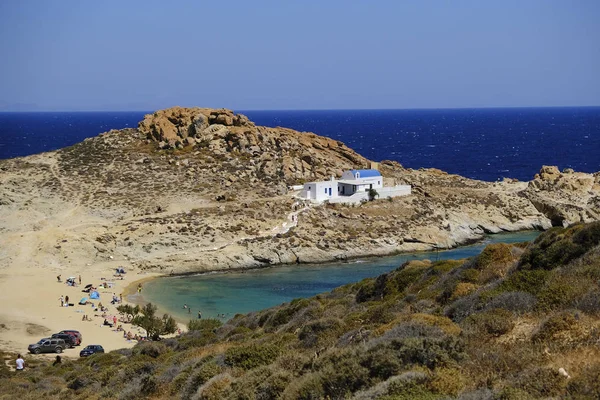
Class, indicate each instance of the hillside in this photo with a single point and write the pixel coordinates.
(517, 322)
(194, 189)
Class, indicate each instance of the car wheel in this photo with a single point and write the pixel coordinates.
(37, 351)
(58, 350)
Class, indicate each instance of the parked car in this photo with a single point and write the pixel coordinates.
(70, 340)
(73, 333)
(91, 349)
(48, 345)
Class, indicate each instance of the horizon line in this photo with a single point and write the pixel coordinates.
(305, 109)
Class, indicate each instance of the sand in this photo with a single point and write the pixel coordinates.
(31, 309)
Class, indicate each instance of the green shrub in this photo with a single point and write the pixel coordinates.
(530, 281)
(559, 246)
(208, 324)
(287, 311)
(542, 382)
(447, 381)
(561, 290)
(471, 275)
(201, 375)
(152, 349)
(586, 385)
(341, 373)
(411, 386)
(321, 332)
(496, 322)
(251, 356)
(557, 323)
(307, 387)
(495, 253)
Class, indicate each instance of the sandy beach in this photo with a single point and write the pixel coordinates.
(31, 307)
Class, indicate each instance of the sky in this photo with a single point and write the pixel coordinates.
(76, 55)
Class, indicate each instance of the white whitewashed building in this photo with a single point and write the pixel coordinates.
(353, 187)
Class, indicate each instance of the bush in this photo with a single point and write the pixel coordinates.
(341, 374)
(516, 302)
(307, 387)
(208, 324)
(320, 332)
(590, 302)
(152, 349)
(496, 322)
(411, 386)
(559, 246)
(586, 385)
(542, 382)
(530, 281)
(494, 261)
(561, 290)
(251, 356)
(447, 381)
(201, 375)
(555, 324)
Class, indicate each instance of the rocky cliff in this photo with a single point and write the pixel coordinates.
(202, 189)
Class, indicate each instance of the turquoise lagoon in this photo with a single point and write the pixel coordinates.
(222, 295)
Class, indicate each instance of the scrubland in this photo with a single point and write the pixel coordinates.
(516, 322)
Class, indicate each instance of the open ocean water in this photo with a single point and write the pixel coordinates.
(485, 144)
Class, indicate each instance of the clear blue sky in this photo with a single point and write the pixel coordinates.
(321, 54)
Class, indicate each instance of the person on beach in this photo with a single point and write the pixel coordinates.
(58, 278)
(66, 301)
(189, 310)
(139, 288)
(114, 320)
(199, 315)
(20, 363)
(58, 360)
(121, 298)
(80, 279)
(62, 301)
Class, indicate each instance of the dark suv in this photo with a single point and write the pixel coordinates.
(48, 345)
(74, 333)
(70, 340)
(91, 349)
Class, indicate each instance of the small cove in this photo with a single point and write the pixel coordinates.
(231, 293)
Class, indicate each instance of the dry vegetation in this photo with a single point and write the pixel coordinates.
(508, 324)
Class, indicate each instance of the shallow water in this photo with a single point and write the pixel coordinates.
(241, 292)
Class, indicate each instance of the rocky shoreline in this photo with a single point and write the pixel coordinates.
(197, 190)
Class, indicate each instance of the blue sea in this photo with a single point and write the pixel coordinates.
(485, 144)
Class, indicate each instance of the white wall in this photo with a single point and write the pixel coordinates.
(319, 191)
(395, 191)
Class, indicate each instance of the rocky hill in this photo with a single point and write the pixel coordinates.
(516, 322)
(202, 189)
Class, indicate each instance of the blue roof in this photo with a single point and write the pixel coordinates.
(366, 173)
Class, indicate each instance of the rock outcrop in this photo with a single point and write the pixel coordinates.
(274, 152)
(565, 198)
